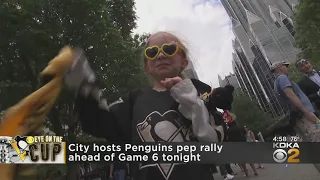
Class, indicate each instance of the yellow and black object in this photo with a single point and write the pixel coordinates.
(27, 116)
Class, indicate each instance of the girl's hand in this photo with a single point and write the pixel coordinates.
(168, 83)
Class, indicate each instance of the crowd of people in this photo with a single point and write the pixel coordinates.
(238, 135)
(302, 98)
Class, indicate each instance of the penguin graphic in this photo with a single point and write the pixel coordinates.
(22, 144)
(20, 148)
(167, 127)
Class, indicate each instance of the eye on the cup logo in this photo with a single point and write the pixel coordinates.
(279, 155)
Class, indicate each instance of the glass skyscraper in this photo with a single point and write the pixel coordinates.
(264, 35)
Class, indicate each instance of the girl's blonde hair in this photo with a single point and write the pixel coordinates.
(185, 51)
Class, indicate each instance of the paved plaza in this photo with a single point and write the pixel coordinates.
(277, 172)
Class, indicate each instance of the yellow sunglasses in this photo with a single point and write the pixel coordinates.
(169, 50)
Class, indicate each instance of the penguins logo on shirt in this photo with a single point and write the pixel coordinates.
(166, 127)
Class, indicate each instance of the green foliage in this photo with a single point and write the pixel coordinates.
(307, 27)
(42, 170)
(140, 40)
(248, 112)
(123, 15)
(32, 33)
(295, 75)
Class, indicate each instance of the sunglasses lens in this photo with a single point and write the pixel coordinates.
(170, 49)
(301, 63)
(152, 52)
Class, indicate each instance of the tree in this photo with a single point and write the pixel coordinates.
(295, 75)
(140, 40)
(307, 28)
(123, 15)
(32, 33)
(248, 112)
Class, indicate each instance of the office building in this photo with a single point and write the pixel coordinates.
(230, 79)
(264, 35)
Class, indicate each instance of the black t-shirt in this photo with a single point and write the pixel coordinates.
(151, 117)
(156, 118)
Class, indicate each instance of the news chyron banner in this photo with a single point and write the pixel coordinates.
(204, 153)
(32, 150)
(53, 150)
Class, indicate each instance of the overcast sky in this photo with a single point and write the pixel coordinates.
(203, 25)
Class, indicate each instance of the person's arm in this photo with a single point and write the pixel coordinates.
(96, 116)
(286, 86)
(294, 99)
(194, 109)
(99, 119)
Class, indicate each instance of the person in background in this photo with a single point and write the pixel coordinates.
(290, 94)
(250, 138)
(226, 171)
(213, 169)
(310, 82)
(118, 171)
(229, 170)
(241, 168)
(259, 165)
(234, 133)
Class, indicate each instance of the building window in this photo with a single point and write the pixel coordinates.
(289, 26)
(277, 24)
(288, 4)
(239, 49)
